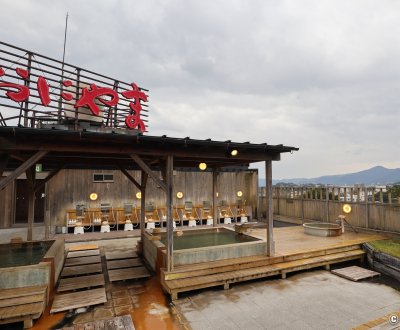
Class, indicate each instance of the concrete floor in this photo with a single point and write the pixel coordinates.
(313, 300)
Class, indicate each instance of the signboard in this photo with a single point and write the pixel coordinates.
(38, 168)
(46, 90)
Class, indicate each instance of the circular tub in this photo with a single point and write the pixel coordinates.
(324, 229)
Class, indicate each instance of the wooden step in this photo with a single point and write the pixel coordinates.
(67, 301)
(128, 273)
(124, 263)
(80, 282)
(225, 278)
(81, 270)
(83, 247)
(126, 254)
(84, 253)
(82, 261)
(22, 304)
(23, 291)
(214, 267)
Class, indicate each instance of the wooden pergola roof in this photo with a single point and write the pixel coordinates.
(86, 149)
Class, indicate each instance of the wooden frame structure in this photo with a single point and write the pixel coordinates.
(22, 148)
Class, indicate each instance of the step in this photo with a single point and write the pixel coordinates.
(225, 278)
(213, 267)
(80, 282)
(68, 301)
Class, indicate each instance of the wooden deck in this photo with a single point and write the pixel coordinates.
(22, 304)
(355, 273)
(295, 251)
(68, 301)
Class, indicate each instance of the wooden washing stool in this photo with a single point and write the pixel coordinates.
(22, 304)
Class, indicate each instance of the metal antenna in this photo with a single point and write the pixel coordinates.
(62, 69)
(65, 40)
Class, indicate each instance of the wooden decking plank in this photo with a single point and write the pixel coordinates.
(81, 270)
(80, 282)
(128, 273)
(22, 291)
(21, 310)
(112, 255)
(82, 261)
(84, 253)
(67, 301)
(355, 273)
(22, 300)
(83, 247)
(253, 272)
(124, 263)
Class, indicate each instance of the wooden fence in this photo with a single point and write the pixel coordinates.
(368, 209)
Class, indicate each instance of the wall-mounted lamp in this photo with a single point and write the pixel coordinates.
(346, 208)
(179, 194)
(138, 195)
(234, 152)
(202, 166)
(239, 193)
(216, 194)
(93, 196)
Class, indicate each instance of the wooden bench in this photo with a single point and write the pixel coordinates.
(22, 304)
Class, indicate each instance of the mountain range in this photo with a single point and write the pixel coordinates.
(377, 175)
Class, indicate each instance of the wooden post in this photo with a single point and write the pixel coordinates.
(327, 202)
(381, 195)
(143, 203)
(214, 197)
(270, 212)
(30, 175)
(366, 208)
(170, 228)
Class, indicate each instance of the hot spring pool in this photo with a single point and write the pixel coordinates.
(23, 254)
(191, 239)
(201, 245)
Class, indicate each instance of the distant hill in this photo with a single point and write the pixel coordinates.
(377, 175)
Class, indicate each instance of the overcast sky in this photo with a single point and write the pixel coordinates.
(323, 76)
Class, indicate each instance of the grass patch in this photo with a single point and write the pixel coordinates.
(389, 246)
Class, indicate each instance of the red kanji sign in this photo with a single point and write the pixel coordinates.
(20, 93)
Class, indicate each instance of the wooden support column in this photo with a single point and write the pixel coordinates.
(22, 168)
(269, 208)
(31, 175)
(3, 163)
(143, 203)
(214, 197)
(170, 228)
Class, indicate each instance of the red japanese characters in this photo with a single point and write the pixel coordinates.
(20, 93)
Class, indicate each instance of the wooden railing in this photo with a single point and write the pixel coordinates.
(371, 207)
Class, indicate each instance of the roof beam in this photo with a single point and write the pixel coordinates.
(22, 168)
(148, 170)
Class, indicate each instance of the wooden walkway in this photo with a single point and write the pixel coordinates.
(79, 272)
(22, 304)
(355, 273)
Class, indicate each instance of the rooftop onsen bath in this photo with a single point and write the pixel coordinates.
(31, 263)
(201, 245)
